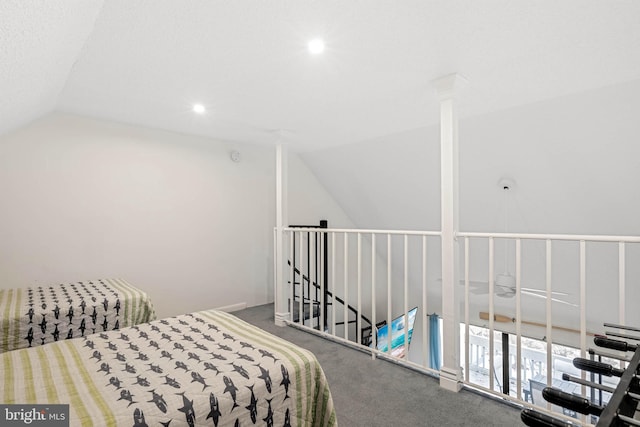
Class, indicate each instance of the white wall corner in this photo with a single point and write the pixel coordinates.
(233, 307)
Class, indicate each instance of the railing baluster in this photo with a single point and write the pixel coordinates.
(301, 300)
(346, 285)
(321, 306)
(583, 312)
(314, 268)
(519, 319)
(294, 253)
(334, 303)
(406, 297)
(466, 309)
(491, 315)
(359, 311)
(313, 277)
(425, 342)
(292, 292)
(389, 308)
(374, 338)
(308, 289)
(549, 320)
(622, 317)
(325, 274)
(621, 284)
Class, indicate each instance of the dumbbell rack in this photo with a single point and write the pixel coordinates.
(622, 407)
(623, 404)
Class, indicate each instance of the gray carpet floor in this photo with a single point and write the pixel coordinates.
(371, 393)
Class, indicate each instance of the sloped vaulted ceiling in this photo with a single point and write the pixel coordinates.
(39, 43)
(146, 62)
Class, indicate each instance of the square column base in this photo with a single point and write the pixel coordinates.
(450, 380)
(281, 319)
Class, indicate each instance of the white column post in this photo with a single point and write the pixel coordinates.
(450, 373)
(280, 292)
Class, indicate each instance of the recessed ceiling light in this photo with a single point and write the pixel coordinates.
(199, 108)
(316, 46)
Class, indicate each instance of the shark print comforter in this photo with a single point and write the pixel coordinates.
(201, 369)
(40, 315)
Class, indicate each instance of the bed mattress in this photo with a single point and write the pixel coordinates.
(39, 315)
(206, 368)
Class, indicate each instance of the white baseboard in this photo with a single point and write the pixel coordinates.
(233, 307)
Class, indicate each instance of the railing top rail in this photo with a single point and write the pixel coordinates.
(471, 234)
(364, 231)
(570, 237)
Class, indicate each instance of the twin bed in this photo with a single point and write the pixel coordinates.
(204, 368)
(44, 314)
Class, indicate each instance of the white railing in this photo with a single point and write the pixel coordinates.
(567, 322)
(380, 275)
(383, 274)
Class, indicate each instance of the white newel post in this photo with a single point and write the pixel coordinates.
(280, 292)
(450, 373)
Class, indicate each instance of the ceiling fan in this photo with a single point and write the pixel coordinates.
(504, 284)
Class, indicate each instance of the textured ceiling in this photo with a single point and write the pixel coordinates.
(39, 43)
(148, 61)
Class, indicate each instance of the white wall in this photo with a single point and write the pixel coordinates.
(309, 200)
(575, 161)
(170, 213)
(576, 164)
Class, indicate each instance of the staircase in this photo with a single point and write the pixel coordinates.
(309, 291)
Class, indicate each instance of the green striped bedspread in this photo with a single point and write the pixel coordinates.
(39, 315)
(202, 369)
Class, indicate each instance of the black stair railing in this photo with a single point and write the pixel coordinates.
(311, 298)
(320, 260)
(329, 294)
